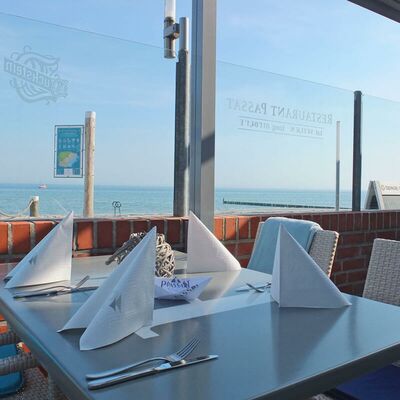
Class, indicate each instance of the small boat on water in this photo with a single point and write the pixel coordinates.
(42, 186)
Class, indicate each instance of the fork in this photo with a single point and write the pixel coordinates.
(177, 356)
(257, 289)
(61, 287)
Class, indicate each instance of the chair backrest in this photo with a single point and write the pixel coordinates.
(322, 250)
(383, 278)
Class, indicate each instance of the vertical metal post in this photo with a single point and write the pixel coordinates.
(337, 165)
(182, 122)
(202, 138)
(357, 159)
(90, 129)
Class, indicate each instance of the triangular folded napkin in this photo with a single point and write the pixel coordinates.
(263, 255)
(49, 261)
(297, 281)
(205, 252)
(124, 303)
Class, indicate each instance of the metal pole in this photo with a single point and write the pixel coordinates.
(357, 155)
(182, 121)
(90, 129)
(34, 206)
(337, 165)
(202, 138)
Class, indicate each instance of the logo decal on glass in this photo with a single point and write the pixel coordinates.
(260, 116)
(35, 77)
(116, 304)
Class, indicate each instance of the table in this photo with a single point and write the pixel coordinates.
(264, 352)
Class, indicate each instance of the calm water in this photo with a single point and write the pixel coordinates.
(57, 199)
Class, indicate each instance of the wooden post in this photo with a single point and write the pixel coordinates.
(34, 207)
(90, 129)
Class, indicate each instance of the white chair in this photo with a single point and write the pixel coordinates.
(322, 250)
(383, 279)
(36, 385)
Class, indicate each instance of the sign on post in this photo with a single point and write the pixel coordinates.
(383, 196)
(68, 151)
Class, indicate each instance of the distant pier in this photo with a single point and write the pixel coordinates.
(275, 205)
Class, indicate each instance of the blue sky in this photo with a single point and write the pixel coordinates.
(130, 86)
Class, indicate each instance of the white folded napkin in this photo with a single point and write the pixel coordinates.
(49, 261)
(297, 281)
(180, 288)
(124, 303)
(205, 252)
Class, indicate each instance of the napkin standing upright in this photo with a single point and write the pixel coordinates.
(49, 261)
(297, 280)
(124, 303)
(205, 252)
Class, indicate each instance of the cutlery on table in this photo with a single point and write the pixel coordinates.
(55, 290)
(257, 287)
(173, 357)
(114, 379)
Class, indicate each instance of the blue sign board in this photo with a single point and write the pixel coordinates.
(68, 151)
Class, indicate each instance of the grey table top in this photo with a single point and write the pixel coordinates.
(264, 352)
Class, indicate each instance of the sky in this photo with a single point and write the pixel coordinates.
(303, 58)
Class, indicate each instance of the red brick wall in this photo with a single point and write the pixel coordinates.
(102, 236)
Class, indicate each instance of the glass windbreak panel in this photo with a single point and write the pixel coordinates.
(380, 153)
(52, 76)
(276, 142)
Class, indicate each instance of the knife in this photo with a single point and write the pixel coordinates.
(52, 292)
(113, 380)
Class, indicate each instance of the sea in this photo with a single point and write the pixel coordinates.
(57, 199)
